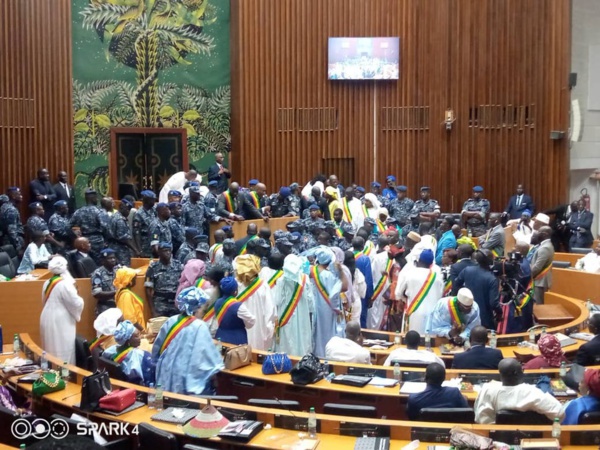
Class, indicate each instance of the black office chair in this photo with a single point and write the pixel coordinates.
(83, 356)
(512, 417)
(113, 368)
(6, 266)
(447, 415)
(589, 418)
(561, 264)
(12, 253)
(414, 364)
(291, 405)
(84, 267)
(151, 438)
(341, 409)
(581, 250)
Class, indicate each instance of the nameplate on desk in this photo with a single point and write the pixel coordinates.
(413, 376)
(509, 341)
(478, 378)
(513, 437)
(585, 437)
(177, 403)
(293, 423)
(359, 430)
(247, 382)
(366, 372)
(430, 434)
(236, 414)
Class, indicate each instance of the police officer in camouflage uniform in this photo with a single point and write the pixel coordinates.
(210, 199)
(162, 279)
(10, 221)
(160, 230)
(294, 200)
(121, 238)
(475, 212)
(102, 278)
(88, 219)
(376, 191)
(400, 209)
(177, 233)
(36, 222)
(59, 225)
(424, 210)
(195, 213)
(142, 223)
(188, 248)
(282, 204)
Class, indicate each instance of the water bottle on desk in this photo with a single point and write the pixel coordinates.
(493, 340)
(427, 341)
(532, 336)
(312, 423)
(397, 373)
(151, 397)
(397, 339)
(563, 369)
(16, 344)
(158, 399)
(44, 361)
(64, 371)
(556, 428)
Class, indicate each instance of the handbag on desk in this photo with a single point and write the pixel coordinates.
(308, 370)
(118, 400)
(93, 388)
(276, 363)
(237, 357)
(48, 382)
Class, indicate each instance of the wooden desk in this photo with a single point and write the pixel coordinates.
(568, 257)
(239, 228)
(37, 274)
(551, 315)
(576, 284)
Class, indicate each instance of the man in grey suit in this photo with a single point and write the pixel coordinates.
(541, 264)
(494, 239)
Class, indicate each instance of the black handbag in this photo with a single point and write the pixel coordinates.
(309, 370)
(93, 388)
(574, 376)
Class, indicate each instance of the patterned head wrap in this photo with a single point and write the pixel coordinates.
(190, 300)
(591, 378)
(124, 332)
(124, 277)
(550, 349)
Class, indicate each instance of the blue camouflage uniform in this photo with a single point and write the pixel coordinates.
(12, 227)
(419, 207)
(196, 215)
(164, 279)
(119, 232)
(177, 233)
(477, 225)
(36, 224)
(142, 222)
(87, 218)
(102, 281)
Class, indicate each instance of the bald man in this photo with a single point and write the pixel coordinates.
(219, 173)
(513, 394)
(348, 349)
(541, 264)
(494, 240)
(235, 206)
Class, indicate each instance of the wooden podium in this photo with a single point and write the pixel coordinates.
(239, 228)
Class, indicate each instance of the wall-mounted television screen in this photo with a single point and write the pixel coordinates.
(366, 58)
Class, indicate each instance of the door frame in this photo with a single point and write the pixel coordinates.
(113, 160)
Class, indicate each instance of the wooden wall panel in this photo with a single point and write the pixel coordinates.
(35, 90)
(505, 60)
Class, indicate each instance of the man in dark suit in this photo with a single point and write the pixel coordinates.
(233, 206)
(435, 395)
(589, 353)
(519, 203)
(64, 191)
(561, 233)
(580, 225)
(42, 191)
(219, 173)
(478, 356)
(251, 233)
(465, 252)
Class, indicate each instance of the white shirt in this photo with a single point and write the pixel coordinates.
(411, 355)
(494, 397)
(175, 183)
(342, 349)
(589, 263)
(33, 255)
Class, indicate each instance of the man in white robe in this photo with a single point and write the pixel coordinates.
(352, 209)
(422, 287)
(176, 183)
(381, 265)
(348, 349)
(62, 310)
(256, 295)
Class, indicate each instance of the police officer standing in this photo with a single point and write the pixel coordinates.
(401, 207)
(88, 220)
(142, 223)
(162, 279)
(102, 278)
(475, 213)
(425, 209)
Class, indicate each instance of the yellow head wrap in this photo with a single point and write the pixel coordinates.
(247, 268)
(123, 277)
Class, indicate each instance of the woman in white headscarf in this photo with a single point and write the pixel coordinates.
(372, 206)
(62, 308)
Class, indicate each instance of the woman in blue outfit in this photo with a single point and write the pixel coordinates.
(135, 363)
(589, 401)
(232, 316)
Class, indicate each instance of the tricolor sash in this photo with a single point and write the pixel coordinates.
(365, 211)
(346, 209)
(228, 303)
(543, 273)
(321, 287)
(121, 354)
(382, 281)
(380, 226)
(98, 341)
(139, 300)
(51, 285)
(244, 249)
(228, 201)
(182, 322)
(431, 276)
(202, 283)
(276, 276)
(447, 287)
(359, 254)
(455, 314)
(255, 199)
(215, 248)
(290, 308)
(209, 314)
(251, 289)
(339, 232)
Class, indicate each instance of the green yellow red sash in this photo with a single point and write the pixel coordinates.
(447, 287)
(321, 287)
(543, 273)
(139, 300)
(98, 341)
(251, 289)
(288, 312)
(382, 281)
(431, 276)
(244, 249)
(228, 303)
(455, 315)
(365, 211)
(359, 254)
(215, 249)
(255, 199)
(339, 232)
(122, 354)
(209, 314)
(276, 276)
(346, 208)
(182, 322)
(51, 285)
(202, 283)
(228, 201)
(380, 226)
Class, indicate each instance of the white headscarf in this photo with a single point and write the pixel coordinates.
(292, 268)
(59, 266)
(374, 210)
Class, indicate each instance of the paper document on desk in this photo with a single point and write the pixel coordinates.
(383, 382)
(582, 336)
(414, 387)
(564, 339)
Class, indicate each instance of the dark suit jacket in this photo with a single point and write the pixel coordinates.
(213, 174)
(484, 286)
(589, 353)
(434, 397)
(241, 205)
(478, 357)
(514, 211)
(239, 244)
(37, 187)
(456, 269)
(61, 194)
(583, 220)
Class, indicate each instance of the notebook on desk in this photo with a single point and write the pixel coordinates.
(351, 380)
(564, 340)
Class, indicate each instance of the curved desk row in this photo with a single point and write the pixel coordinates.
(333, 430)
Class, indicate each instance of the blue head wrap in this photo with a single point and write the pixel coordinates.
(426, 256)
(190, 300)
(324, 257)
(124, 332)
(228, 286)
